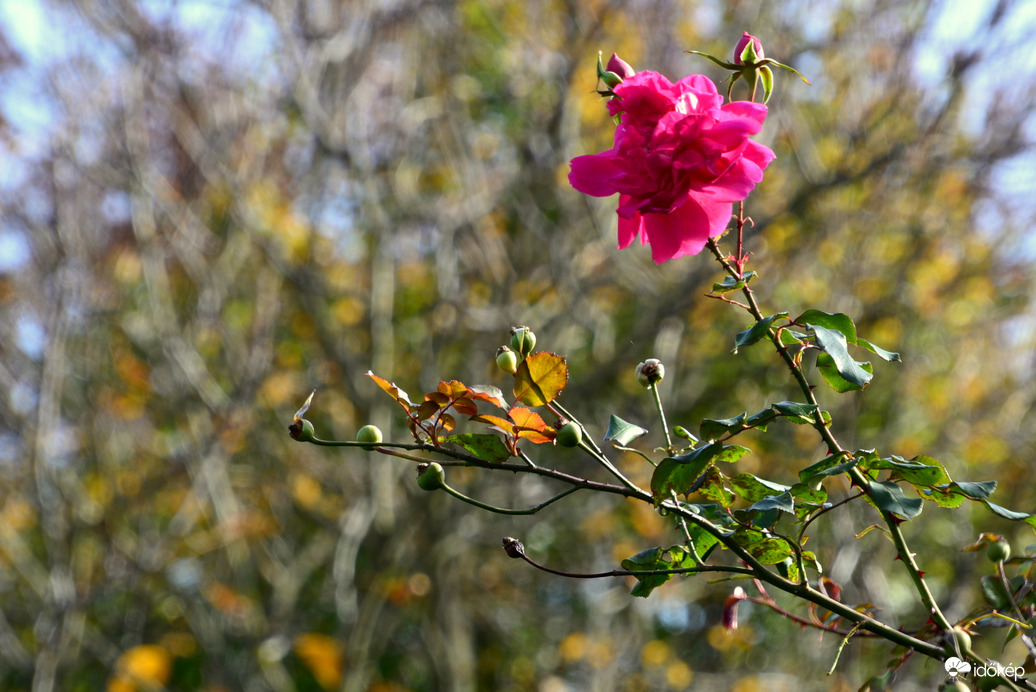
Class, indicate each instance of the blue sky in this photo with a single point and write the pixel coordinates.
(46, 33)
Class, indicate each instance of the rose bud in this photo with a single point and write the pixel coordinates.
(749, 49)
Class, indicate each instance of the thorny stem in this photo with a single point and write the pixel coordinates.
(858, 479)
(753, 567)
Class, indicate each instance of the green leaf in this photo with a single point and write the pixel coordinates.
(790, 337)
(995, 594)
(945, 496)
(767, 549)
(807, 495)
(681, 431)
(800, 414)
(834, 343)
(731, 284)
(887, 356)
(838, 321)
(826, 367)
(645, 560)
(622, 433)
(715, 487)
(679, 473)
(951, 495)
(759, 330)
(711, 429)
(760, 420)
(1010, 514)
(753, 489)
(675, 557)
(782, 503)
(889, 497)
(921, 471)
(540, 378)
(976, 491)
(828, 466)
(484, 446)
(731, 453)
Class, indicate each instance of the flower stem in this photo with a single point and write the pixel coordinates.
(661, 416)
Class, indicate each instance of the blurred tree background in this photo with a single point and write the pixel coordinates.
(210, 208)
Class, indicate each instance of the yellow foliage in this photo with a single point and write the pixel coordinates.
(140, 669)
(17, 515)
(646, 521)
(678, 675)
(323, 656)
(600, 652)
(655, 653)
(306, 491)
(573, 647)
(723, 640)
(348, 311)
(279, 388)
(180, 644)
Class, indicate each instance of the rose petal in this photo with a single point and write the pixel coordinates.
(593, 174)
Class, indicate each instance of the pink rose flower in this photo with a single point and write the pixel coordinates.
(681, 159)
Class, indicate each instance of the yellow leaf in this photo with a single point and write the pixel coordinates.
(323, 656)
(142, 668)
(540, 378)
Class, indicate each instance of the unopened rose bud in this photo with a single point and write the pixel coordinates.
(506, 359)
(616, 71)
(620, 67)
(749, 49)
(523, 340)
(650, 372)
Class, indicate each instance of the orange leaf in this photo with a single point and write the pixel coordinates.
(438, 397)
(426, 410)
(453, 389)
(486, 392)
(394, 391)
(447, 422)
(540, 378)
(535, 437)
(499, 422)
(526, 419)
(465, 407)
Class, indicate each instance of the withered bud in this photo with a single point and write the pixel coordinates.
(650, 372)
(513, 547)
